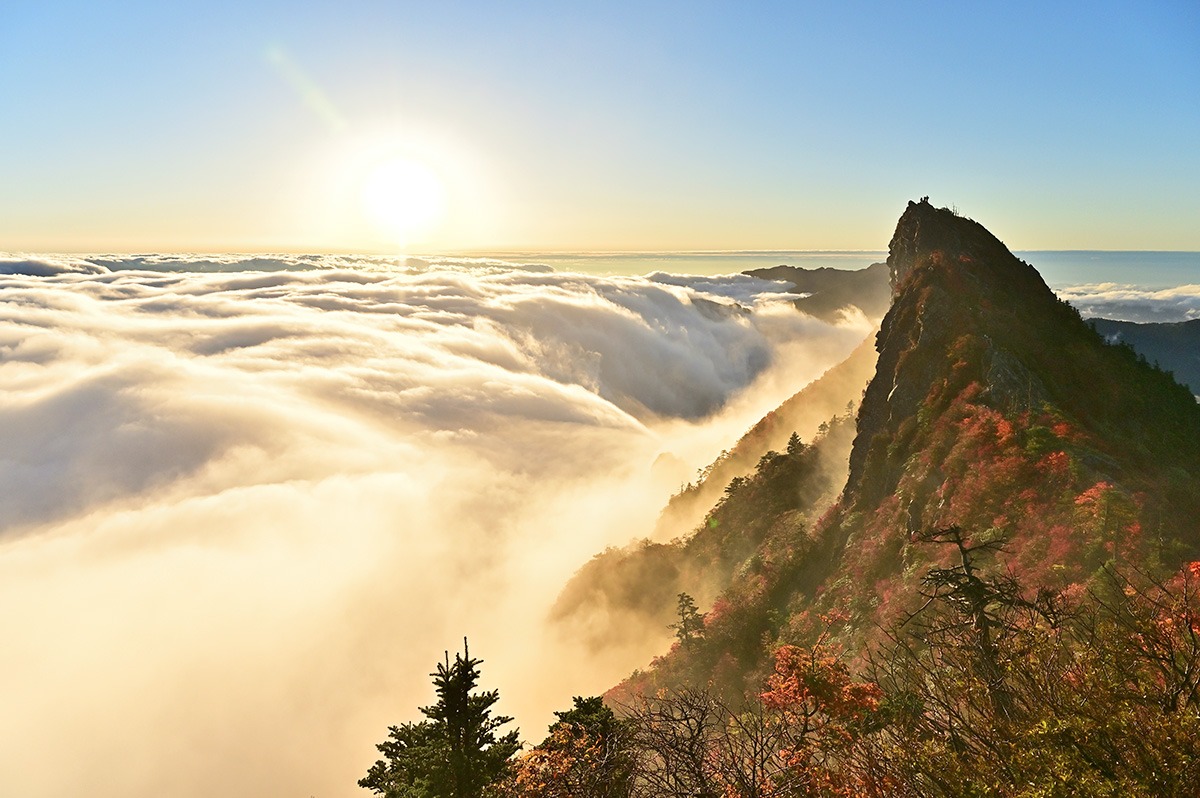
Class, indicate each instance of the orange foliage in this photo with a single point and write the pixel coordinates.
(816, 681)
(825, 711)
(560, 767)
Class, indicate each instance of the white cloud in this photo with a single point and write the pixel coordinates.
(1133, 303)
(740, 287)
(47, 266)
(244, 511)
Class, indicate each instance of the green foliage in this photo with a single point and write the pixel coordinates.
(408, 770)
(456, 752)
(794, 445)
(589, 715)
(691, 623)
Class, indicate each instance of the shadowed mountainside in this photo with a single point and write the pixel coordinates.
(1173, 346)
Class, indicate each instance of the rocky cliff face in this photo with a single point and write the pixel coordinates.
(949, 277)
(969, 314)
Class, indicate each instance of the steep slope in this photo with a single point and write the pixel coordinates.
(1173, 346)
(994, 407)
(630, 593)
(803, 413)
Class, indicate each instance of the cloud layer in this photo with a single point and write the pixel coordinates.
(1133, 303)
(247, 502)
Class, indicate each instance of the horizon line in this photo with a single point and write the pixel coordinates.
(581, 253)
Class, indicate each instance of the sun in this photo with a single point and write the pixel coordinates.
(405, 199)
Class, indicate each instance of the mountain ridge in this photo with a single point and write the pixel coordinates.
(995, 408)
(969, 312)
(830, 293)
(1174, 346)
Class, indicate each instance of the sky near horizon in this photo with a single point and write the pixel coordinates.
(392, 126)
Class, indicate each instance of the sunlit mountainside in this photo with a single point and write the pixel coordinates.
(993, 407)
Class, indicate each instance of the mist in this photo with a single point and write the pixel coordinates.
(247, 503)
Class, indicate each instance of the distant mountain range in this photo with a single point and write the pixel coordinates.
(1173, 346)
(831, 291)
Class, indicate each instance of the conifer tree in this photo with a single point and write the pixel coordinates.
(691, 622)
(456, 752)
(794, 445)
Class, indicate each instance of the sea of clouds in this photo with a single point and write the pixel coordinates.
(247, 502)
(1123, 302)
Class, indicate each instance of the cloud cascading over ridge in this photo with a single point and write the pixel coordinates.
(246, 503)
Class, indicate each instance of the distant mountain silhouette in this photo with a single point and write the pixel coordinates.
(831, 291)
(1173, 346)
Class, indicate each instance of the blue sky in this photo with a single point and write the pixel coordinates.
(254, 125)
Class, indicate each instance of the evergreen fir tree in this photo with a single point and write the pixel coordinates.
(691, 622)
(794, 445)
(455, 753)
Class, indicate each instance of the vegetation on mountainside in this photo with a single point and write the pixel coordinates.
(985, 691)
(805, 413)
(994, 408)
(758, 519)
(1090, 692)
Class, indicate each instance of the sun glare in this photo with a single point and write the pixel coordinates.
(404, 199)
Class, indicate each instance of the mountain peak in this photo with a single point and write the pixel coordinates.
(962, 303)
(927, 236)
(972, 329)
